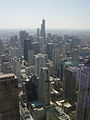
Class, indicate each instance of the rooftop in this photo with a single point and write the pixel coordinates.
(67, 105)
(60, 113)
(37, 105)
(4, 76)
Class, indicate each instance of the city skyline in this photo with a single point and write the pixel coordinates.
(60, 14)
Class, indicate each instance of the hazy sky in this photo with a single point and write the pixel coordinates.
(74, 14)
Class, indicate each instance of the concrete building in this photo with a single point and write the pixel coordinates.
(27, 47)
(75, 56)
(37, 110)
(70, 83)
(44, 86)
(49, 49)
(49, 64)
(9, 102)
(39, 62)
(31, 57)
(7, 67)
(31, 85)
(56, 60)
(83, 109)
(23, 35)
(30, 70)
(36, 47)
(40, 106)
(41, 44)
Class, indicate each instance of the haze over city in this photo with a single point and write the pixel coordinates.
(44, 60)
(60, 14)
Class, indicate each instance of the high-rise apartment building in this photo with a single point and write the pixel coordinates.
(9, 102)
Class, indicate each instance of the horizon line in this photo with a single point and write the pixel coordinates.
(46, 28)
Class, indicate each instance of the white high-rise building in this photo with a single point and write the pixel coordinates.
(39, 62)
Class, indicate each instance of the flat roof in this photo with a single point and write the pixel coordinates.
(4, 76)
(7, 75)
(67, 104)
(37, 105)
(60, 113)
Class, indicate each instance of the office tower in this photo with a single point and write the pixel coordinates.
(27, 47)
(31, 85)
(39, 62)
(23, 35)
(75, 56)
(70, 83)
(44, 86)
(38, 32)
(63, 49)
(41, 43)
(43, 34)
(36, 47)
(55, 37)
(31, 57)
(49, 37)
(83, 109)
(62, 68)
(51, 67)
(9, 102)
(56, 60)
(49, 49)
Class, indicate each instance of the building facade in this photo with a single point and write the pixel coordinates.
(9, 102)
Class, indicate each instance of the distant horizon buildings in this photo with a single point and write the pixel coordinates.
(43, 33)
